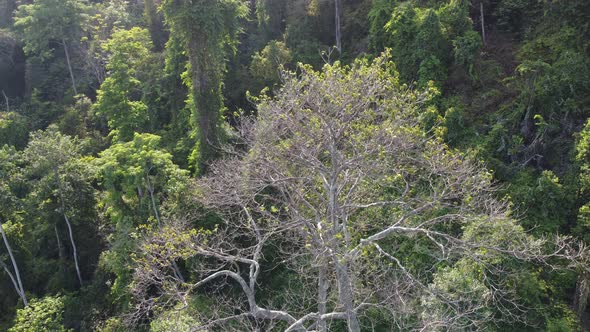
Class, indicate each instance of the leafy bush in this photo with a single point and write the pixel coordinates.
(45, 314)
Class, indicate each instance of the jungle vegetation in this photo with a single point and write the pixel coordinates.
(294, 165)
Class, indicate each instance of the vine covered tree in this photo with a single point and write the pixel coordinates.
(207, 28)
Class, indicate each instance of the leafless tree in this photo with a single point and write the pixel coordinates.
(339, 177)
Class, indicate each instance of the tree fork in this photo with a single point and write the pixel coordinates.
(346, 295)
(70, 232)
(20, 288)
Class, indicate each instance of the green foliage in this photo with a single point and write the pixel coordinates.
(58, 185)
(112, 324)
(130, 171)
(271, 15)
(403, 27)
(301, 38)
(520, 103)
(423, 39)
(178, 134)
(430, 40)
(81, 121)
(563, 320)
(431, 70)
(11, 65)
(543, 200)
(49, 150)
(455, 18)
(173, 320)
(524, 283)
(8, 161)
(120, 95)
(549, 46)
(466, 49)
(13, 129)
(559, 87)
(45, 314)
(154, 21)
(135, 172)
(551, 97)
(267, 64)
(218, 20)
(107, 17)
(379, 15)
(517, 15)
(463, 285)
(49, 26)
(46, 21)
(455, 125)
(137, 177)
(582, 228)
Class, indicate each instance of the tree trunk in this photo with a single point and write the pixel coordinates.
(6, 99)
(338, 14)
(71, 234)
(60, 249)
(153, 200)
(206, 83)
(67, 53)
(323, 285)
(12, 279)
(74, 249)
(582, 293)
(20, 288)
(483, 29)
(346, 295)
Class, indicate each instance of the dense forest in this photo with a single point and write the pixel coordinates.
(294, 165)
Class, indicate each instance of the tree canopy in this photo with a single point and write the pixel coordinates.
(294, 165)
